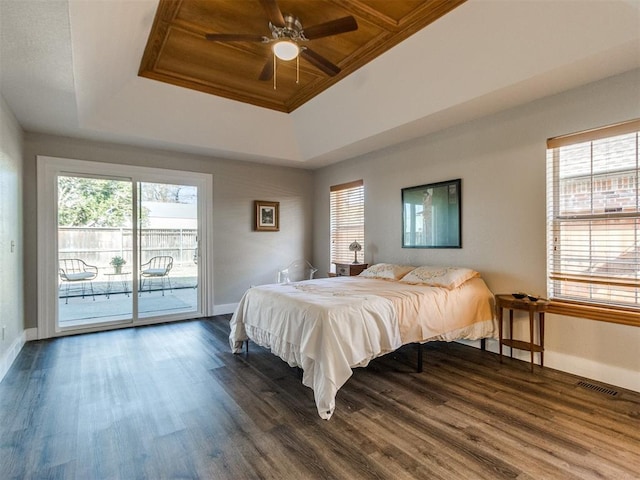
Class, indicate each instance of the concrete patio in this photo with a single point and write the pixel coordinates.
(112, 300)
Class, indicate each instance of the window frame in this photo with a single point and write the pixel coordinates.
(579, 308)
(339, 255)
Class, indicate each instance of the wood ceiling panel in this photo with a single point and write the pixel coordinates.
(208, 64)
(392, 12)
(178, 53)
(245, 16)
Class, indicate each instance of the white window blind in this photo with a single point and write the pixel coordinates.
(593, 217)
(347, 220)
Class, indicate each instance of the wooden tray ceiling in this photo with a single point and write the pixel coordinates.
(178, 53)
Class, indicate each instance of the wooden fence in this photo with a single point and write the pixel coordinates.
(97, 246)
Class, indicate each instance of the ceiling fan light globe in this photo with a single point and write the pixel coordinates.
(286, 50)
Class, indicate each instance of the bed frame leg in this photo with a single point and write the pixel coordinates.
(247, 346)
(483, 344)
(419, 366)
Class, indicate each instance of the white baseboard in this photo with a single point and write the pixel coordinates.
(32, 334)
(601, 372)
(583, 367)
(224, 309)
(13, 351)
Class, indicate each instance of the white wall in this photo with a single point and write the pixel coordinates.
(501, 160)
(241, 257)
(11, 246)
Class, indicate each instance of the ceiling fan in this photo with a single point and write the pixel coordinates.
(287, 34)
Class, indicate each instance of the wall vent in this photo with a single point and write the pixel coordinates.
(598, 388)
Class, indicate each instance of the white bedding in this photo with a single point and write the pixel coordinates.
(329, 326)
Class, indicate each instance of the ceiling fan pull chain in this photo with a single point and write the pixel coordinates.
(274, 71)
(298, 69)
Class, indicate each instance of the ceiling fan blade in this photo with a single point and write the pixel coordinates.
(234, 37)
(334, 27)
(319, 61)
(273, 12)
(267, 71)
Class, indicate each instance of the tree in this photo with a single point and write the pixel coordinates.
(167, 193)
(90, 202)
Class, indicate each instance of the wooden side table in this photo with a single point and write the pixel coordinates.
(512, 303)
(350, 269)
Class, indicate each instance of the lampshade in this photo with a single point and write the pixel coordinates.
(286, 50)
(355, 247)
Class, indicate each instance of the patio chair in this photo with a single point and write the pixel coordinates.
(297, 271)
(75, 271)
(157, 268)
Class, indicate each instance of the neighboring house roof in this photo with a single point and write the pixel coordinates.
(171, 215)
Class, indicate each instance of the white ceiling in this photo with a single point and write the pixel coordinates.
(70, 68)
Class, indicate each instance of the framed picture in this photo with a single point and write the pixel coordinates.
(267, 216)
(431, 215)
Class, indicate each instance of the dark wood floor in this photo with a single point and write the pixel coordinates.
(170, 401)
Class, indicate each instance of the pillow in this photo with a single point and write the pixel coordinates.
(447, 277)
(387, 271)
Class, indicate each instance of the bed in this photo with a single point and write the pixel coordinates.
(329, 326)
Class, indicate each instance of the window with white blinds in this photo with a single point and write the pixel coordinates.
(593, 223)
(347, 220)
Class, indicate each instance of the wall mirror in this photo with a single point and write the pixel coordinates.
(431, 215)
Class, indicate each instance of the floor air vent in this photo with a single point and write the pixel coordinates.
(597, 388)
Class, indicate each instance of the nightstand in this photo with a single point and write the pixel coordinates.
(512, 303)
(349, 269)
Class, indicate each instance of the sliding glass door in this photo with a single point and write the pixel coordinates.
(168, 248)
(130, 247)
(95, 250)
